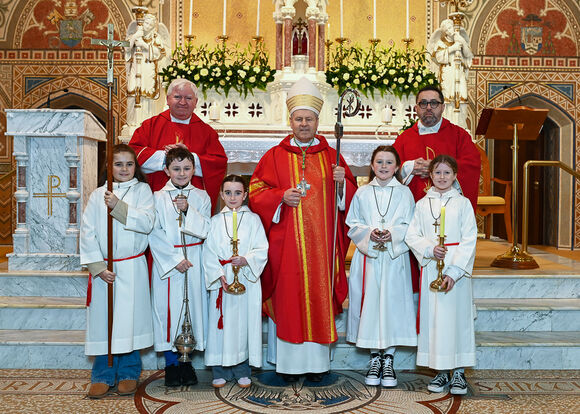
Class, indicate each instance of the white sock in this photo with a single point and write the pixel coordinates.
(460, 370)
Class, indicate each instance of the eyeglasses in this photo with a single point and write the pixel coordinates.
(434, 104)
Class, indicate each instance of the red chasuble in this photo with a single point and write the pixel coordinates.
(296, 283)
(158, 131)
(451, 140)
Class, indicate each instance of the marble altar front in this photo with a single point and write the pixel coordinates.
(56, 156)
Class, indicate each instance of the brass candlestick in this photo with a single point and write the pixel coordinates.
(408, 42)
(437, 283)
(236, 288)
(190, 38)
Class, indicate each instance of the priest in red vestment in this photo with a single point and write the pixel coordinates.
(180, 127)
(293, 191)
(430, 136)
(433, 135)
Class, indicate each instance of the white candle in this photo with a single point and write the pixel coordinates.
(235, 224)
(258, 20)
(190, 14)
(387, 114)
(224, 19)
(341, 24)
(374, 19)
(407, 32)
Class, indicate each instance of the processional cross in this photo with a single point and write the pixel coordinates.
(110, 44)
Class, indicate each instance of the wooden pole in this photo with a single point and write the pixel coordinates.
(110, 143)
(110, 43)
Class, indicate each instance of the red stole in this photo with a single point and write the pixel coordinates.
(451, 140)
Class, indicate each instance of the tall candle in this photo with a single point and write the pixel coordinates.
(442, 226)
(374, 19)
(224, 19)
(190, 15)
(341, 24)
(407, 31)
(258, 20)
(235, 224)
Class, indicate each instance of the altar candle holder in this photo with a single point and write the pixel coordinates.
(236, 288)
(437, 284)
(408, 42)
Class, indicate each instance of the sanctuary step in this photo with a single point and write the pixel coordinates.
(524, 320)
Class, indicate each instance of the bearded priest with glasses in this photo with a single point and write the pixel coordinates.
(431, 136)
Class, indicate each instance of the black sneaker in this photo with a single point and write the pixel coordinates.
(373, 376)
(388, 377)
(290, 378)
(172, 376)
(439, 383)
(187, 374)
(458, 384)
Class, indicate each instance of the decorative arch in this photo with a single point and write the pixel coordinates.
(538, 95)
(527, 28)
(46, 24)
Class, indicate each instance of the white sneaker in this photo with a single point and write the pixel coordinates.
(439, 383)
(388, 377)
(373, 376)
(218, 382)
(458, 384)
(244, 382)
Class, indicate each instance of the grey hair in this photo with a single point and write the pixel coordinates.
(180, 83)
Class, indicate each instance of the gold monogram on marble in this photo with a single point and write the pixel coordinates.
(52, 185)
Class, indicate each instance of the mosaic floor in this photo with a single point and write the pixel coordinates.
(62, 392)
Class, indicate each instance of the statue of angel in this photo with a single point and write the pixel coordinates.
(451, 59)
(150, 43)
(148, 53)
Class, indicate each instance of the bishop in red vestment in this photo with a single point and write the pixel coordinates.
(301, 296)
(179, 126)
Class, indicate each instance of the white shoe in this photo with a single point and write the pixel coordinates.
(244, 382)
(218, 382)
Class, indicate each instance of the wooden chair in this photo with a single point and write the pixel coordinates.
(489, 204)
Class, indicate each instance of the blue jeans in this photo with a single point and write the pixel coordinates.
(125, 367)
(236, 371)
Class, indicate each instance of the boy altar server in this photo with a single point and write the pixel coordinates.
(183, 221)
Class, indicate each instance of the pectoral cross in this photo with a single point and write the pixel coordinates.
(303, 186)
(436, 225)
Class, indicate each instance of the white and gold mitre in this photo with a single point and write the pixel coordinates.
(304, 95)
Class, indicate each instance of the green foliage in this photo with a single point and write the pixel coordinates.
(222, 68)
(378, 69)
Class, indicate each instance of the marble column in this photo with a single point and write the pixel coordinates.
(279, 20)
(321, 46)
(56, 156)
(287, 13)
(287, 42)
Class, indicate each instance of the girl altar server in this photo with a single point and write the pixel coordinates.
(183, 216)
(133, 212)
(235, 320)
(381, 312)
(445, 322)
